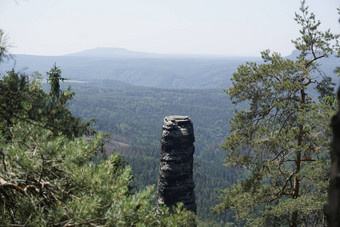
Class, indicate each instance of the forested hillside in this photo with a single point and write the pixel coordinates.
(160, 71)
(105, 65)
(48, 176)
(134, 117)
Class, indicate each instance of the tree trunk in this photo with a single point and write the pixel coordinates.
(296, 185)
(294, 218)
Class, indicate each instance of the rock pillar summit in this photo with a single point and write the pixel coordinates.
(175, 182)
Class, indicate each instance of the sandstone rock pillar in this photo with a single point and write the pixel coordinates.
(175, 181)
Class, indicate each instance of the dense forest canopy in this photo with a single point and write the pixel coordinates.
(134, 117)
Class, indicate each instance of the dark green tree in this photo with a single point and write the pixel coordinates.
(280, 142)
(23, 99)
(54, 79)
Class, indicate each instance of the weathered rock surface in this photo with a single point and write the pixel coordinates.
(332, 209)
(175, 182)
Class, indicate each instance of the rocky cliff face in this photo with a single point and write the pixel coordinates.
(332, 209)
(175, 182)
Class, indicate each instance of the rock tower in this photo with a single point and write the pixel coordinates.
(175, 182)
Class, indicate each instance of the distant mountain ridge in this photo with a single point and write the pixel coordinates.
(112, 52)
(118, 65)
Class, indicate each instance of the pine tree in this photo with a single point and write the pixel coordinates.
(279, 143)
(54, 78)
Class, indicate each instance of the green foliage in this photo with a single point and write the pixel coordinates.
(48, 176)
(313, 41)
(23, 99)
(48, 180)
(280, 142)
(54, 78)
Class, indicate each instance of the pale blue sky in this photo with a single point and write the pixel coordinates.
(222, 27)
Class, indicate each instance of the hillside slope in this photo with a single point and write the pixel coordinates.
(135, 68)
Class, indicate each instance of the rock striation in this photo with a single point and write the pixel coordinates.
(175, 181)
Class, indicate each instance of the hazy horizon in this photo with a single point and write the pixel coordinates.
(190, 27)
(141, 52)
